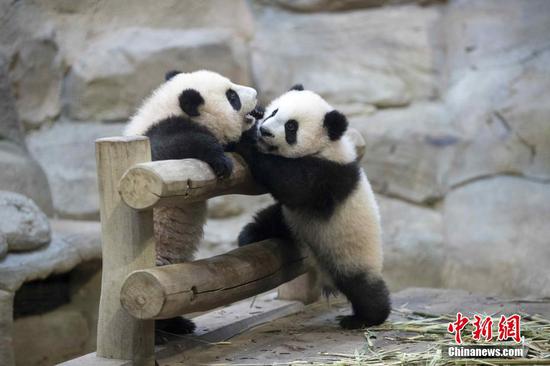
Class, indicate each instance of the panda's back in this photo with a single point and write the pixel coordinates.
(350, 235)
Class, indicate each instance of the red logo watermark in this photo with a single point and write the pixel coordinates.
(508, 328)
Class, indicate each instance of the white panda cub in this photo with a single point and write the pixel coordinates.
(195, 115)
(325, 203)
(191, 115)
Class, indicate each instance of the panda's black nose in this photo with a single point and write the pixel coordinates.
(265, 132)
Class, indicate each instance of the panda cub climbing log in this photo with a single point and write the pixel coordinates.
(324, 201)
(195, 115)
(191, 115)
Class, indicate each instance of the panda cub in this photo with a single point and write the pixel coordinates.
(195, 115)
(191, 115)
(325, 203)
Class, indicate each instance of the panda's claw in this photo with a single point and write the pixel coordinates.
(222, 167)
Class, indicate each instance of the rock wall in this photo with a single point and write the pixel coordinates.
(451, 97)
(19, 171)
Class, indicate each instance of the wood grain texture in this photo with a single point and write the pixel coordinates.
(177, 289)
(127, 245)
(171, 183)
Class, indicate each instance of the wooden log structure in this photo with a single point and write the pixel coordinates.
(133, 290)
(177, 182)
(168, 291)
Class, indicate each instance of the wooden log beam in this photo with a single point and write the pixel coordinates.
(172, 183)
(168, 291)
(177, 182)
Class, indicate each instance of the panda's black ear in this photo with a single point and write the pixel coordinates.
(190, 100)
(170, 74)
(299, 87)
(336, 124)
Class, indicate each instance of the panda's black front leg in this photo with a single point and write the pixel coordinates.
(207, 148)
(221, 164)
(190, 144)
(268, 223)
(369, 297)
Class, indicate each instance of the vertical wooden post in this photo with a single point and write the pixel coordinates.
(304, 288)
(127, 245)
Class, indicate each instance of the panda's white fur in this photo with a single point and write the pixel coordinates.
(345, 238)
(352, 233)
(216, 113)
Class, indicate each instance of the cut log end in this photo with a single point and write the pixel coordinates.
(140, 187)
(142, 295)
(118, 139)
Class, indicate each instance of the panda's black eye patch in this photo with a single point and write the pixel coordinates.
(291, 129)
(233, 99)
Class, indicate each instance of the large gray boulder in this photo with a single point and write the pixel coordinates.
(502, 115)
(67, 153)
(10, 128)
(499, 87)
(497, 237)
(36, 63)
(413, 245)
(22, 223)
(408, 150)
(383, 56)
(22, 174)
(63, 254)
(117, 71)
(478, 42)
(37, 71)
(73, 243)
(43, 40)
(526, 112)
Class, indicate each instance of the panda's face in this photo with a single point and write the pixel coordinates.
(300, 123)
(215, 102)
(206, 97)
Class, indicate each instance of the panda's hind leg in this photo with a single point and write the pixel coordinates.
(268, 223)
(369, 297)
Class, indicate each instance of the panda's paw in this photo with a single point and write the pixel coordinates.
(352, 322)
(222, 166)
(166, 329)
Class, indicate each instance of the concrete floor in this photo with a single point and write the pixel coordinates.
(304, 336)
